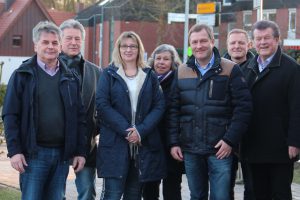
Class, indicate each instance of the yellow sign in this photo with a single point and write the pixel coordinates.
(206, 8)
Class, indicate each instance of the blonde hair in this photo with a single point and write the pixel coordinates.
(116, 55)
(237, 30)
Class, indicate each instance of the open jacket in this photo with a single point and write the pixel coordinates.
(207, 109)
(275, 123)
(20, 111)
(114, 108)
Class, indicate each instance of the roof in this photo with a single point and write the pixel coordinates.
(10, 17)
(60, 16)
(128, 10)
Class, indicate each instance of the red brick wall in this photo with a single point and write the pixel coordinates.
(282, 19)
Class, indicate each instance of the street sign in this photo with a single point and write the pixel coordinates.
(208, 19)
(206, 8)
(179, 17)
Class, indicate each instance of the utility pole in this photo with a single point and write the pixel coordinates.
(186, 29)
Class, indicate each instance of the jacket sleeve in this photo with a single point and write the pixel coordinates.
(11, 115)
(152, 119)
(293, 137)
(106, 113)
(241, 102)
(173, 114)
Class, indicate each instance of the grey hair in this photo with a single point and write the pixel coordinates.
(165, 48)
(72, 23)
(264, 24)
(47, 27)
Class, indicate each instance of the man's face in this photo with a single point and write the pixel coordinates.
(48, 47)
(202, 46)
(71, 41)
(238, 46)
(265, 43)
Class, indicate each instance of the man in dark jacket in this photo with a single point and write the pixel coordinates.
(209, 112)
(238, 45)
(44, 119)
(273, 141)
(73, 34)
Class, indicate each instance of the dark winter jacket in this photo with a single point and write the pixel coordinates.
(20, 114)
(90, 77)
(275, 121)
(114, 108)
(207, 109)
(244, 64)
(172, 164)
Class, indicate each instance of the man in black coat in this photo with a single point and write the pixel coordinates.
(238, 45)
(273, 140)
(73, 34)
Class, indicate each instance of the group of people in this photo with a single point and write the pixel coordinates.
(155, 120)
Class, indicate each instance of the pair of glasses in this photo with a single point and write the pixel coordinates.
(131, 47)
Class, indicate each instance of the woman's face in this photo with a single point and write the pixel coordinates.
(129, 50)
(162, 62)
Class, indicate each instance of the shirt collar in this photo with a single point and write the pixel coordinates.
(263, 64)
(204, 69)
(47, 69)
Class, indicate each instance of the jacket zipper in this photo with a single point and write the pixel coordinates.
(69, 93)
(210, 88)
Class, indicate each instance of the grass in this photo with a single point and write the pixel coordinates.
(297, 173)
(9, 193)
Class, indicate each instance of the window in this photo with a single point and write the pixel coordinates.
(230, 26)
(247, 20)
(227, 2)
(292, 20)
(17, 41)
(269, 15)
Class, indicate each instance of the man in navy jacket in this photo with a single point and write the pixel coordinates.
(44, 119)
(209, 112)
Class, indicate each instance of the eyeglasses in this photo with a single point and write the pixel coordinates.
(131, 47)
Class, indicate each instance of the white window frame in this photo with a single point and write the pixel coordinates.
(226, 3)
(230, 26)
(247, 12)
(268, 12)
(292, 10)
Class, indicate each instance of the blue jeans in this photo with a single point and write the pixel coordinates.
(45, 176)
(128, 186)
(204, 171)
(85, 183)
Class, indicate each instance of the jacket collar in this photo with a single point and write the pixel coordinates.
(29, 66)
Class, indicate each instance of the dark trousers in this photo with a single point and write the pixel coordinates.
(171, 188)
(247, 178)
(272, 181)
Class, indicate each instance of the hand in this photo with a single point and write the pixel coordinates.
(293, 152)
(133, 137)
(78, 163)
(176, 153)
(224, 150)
(18, 162)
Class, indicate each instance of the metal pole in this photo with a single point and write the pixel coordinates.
(186, 27)
(101, 37)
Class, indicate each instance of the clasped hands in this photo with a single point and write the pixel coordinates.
(133, 136)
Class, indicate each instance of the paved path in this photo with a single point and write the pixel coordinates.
(9, 177)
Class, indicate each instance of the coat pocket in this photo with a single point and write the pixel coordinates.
(218, 88)
(216, 129)
(186, 131)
